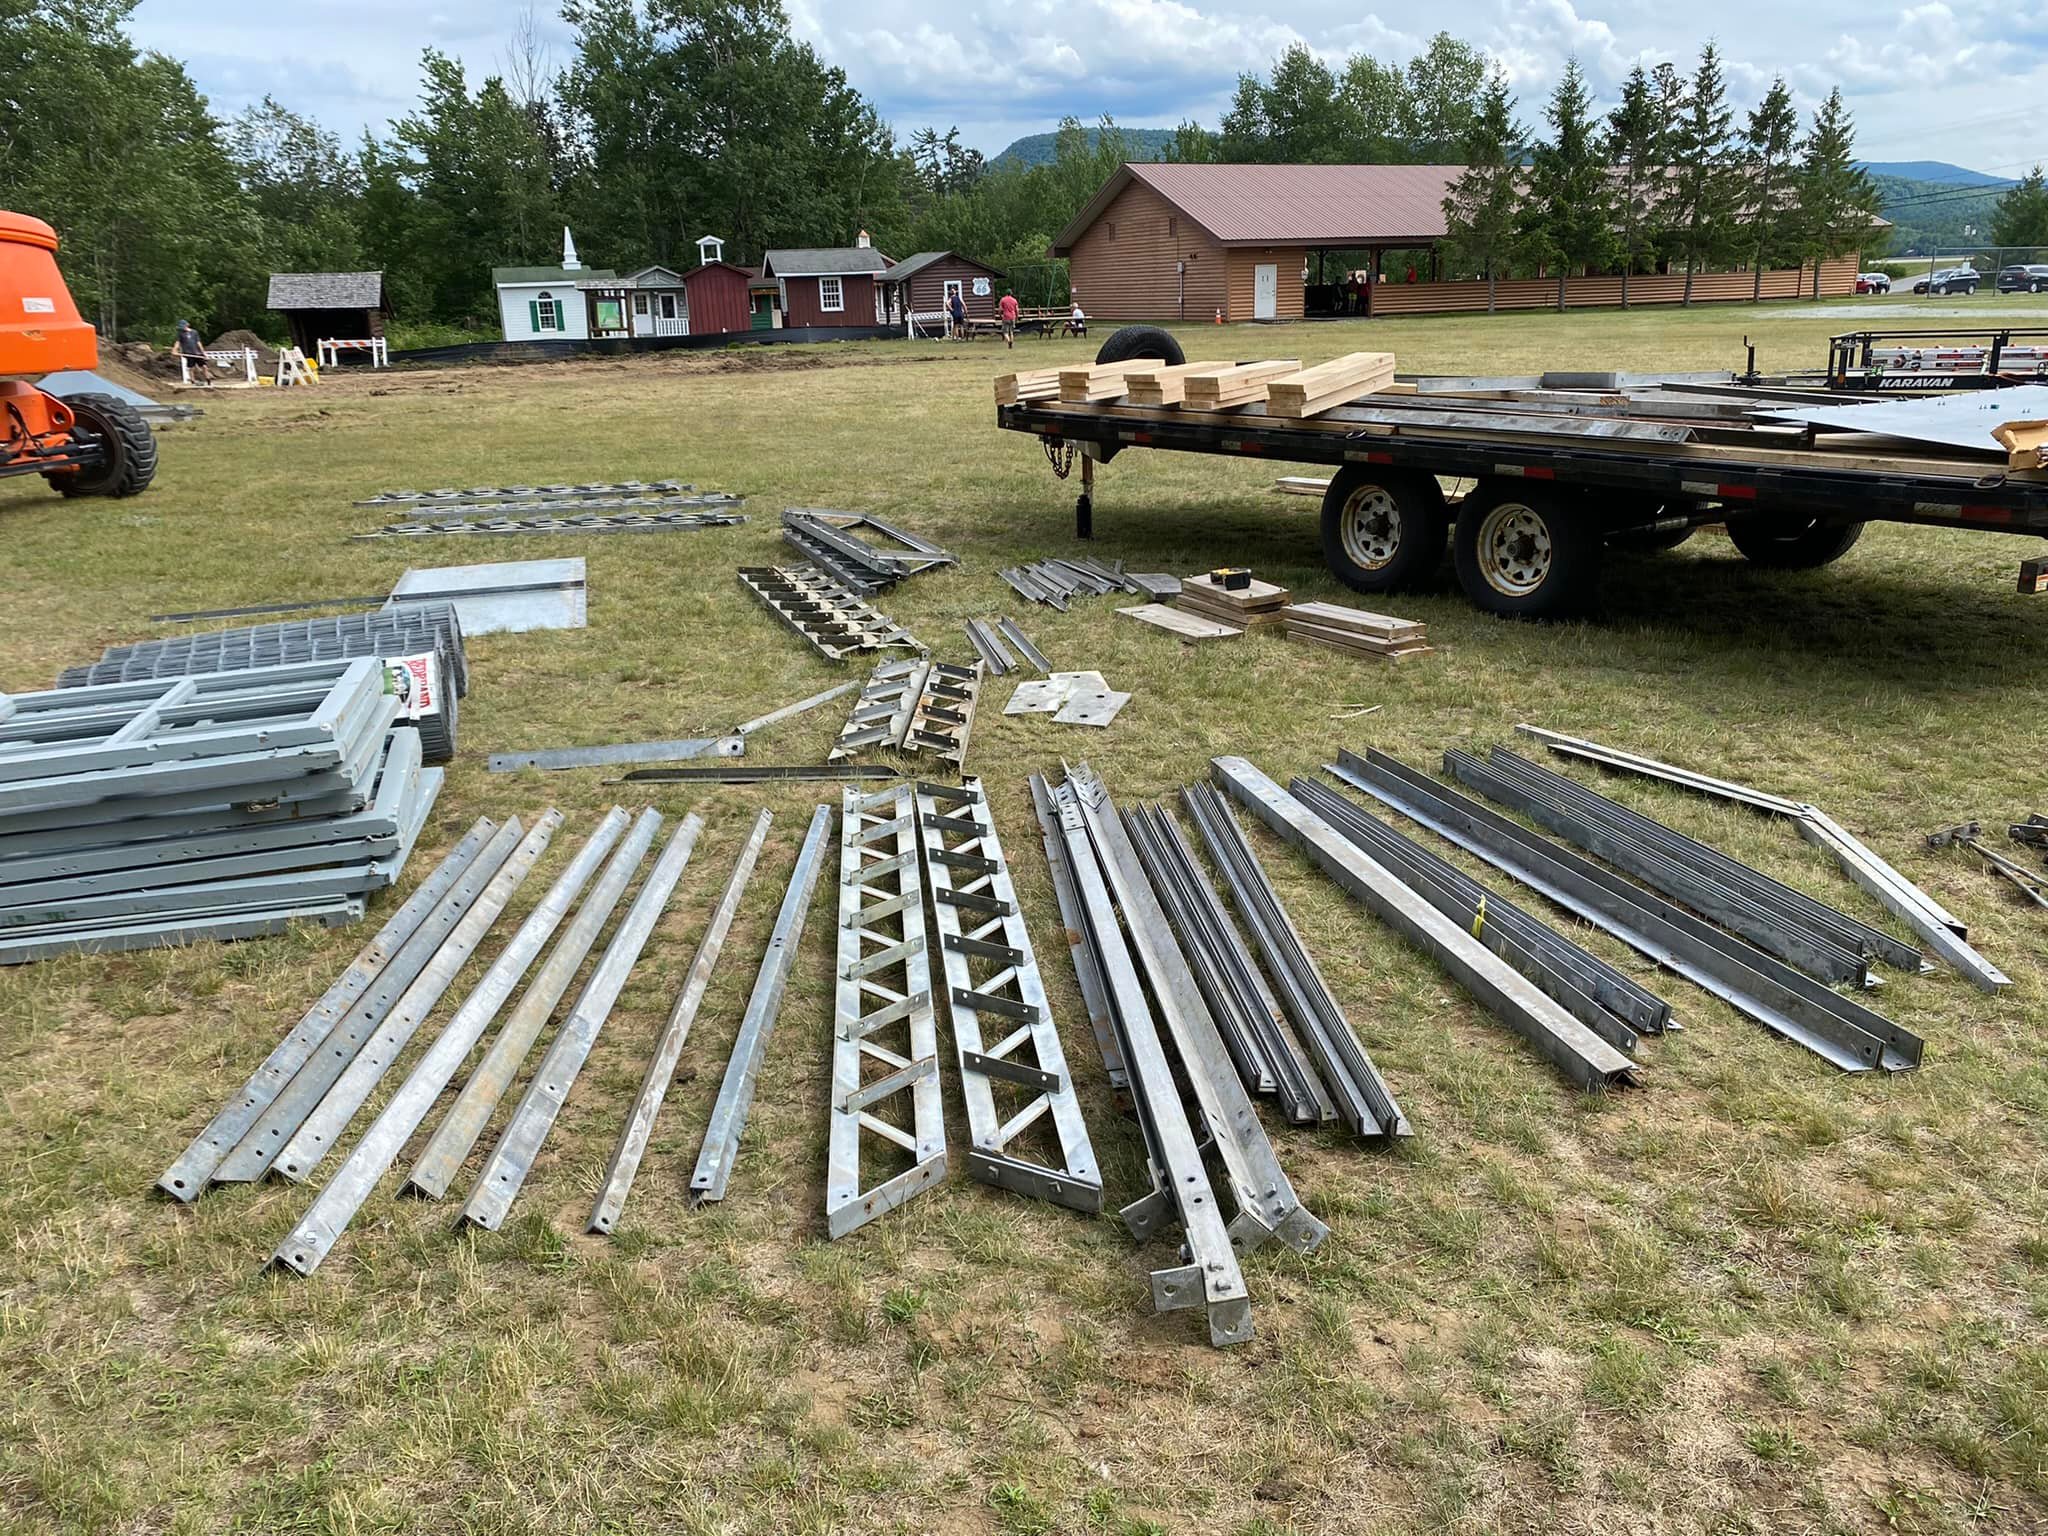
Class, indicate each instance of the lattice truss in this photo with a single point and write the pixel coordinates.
(917, 706)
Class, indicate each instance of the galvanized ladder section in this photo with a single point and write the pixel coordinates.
(882, 1018)
(992, 973)
(880, 717)
(944, 716)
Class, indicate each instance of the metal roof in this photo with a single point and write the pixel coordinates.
(909, 266)
(1328, 205)
(326, 290)
(851, 260)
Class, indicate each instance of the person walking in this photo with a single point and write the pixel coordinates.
(1008, 310)
(957, 308)
(189, 347)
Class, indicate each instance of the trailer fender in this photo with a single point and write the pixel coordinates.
(1383, 529)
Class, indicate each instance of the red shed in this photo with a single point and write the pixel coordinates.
(830, 287)
(718, 298)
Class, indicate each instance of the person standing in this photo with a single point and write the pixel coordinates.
(1008, 310)
(956, 308)
(189, 347)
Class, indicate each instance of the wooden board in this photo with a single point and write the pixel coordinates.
(1350, 647)
(1301, 485)
(1243, 384)
(1185, 626)
(1165, 385)
(1329, 385)
(1250, 599)
(1031, 384)
(1094, 382)
(1335, 616)
(1352, 637)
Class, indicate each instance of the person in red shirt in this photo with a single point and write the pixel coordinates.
(1008, 310)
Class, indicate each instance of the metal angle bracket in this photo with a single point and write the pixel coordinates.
(991, 970)
(882, 1018)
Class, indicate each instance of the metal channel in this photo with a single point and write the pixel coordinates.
(992, 977)
(1841, 1032)
(1580, 1053)
(882, 1018)
(1087, 967)
(668, 1049)
(1014, 633)
(989, 646)
(308, 1243)
(789, 711)
(1209, 1276)
(715, 1160)
(505, 1170)
(193, 1170)
(317, 1134)
(1359, 1095)
(1267, 1205)
(252, 1156)
(437, 1165)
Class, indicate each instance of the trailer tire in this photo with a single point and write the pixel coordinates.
(1383, 529)
(1792, 546)
(131, 449)
(1135, 341)
(1527, 554)
(1649, 541)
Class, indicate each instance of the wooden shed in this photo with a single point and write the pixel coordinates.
(718, 298)
(329, 306)
(924, 284)
(830, 287)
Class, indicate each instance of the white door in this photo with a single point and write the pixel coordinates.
(642, 326)
(1265, 291)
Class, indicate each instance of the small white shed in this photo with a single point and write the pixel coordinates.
(547, 303)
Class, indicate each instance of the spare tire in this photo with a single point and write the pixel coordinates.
(1134, 341)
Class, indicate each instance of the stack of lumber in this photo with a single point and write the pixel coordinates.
(1032, 384)
(1092, 383)
(1329, 385)
(1246, 608)
(1164, 385)
(1219, 389)
(1355, 630)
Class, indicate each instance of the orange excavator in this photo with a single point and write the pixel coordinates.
(88, 444)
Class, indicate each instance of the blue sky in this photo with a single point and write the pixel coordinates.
(1941, 80)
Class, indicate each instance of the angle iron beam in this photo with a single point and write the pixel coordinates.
(1014, 633)
(551, 759)
(1087, 968)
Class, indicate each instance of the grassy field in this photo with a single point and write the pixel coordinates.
(1754, 1296)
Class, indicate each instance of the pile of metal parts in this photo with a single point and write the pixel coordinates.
(832, 541)
(451, 500)
(833, 619)
(919, 706)
(1003, 646)
(220, 806)
(1056, 582)
(626, 506)
(1969, 834)
(666, 516)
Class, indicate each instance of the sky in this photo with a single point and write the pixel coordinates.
(1941, 80)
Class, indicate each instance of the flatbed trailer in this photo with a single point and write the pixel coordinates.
(1558, 475)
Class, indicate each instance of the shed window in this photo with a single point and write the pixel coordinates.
(1112, 229)
(831, 297)
(547, 314)
(1172, 226)
(639, 303)
(668, 306)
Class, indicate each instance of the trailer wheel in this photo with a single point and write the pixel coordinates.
(1383, 530)
(1134, 341)
(130, 449)
(1789, 544)
(1526, 554)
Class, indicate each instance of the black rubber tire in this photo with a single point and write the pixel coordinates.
(1573, 541)
(1133, 341)
(1652, 543)
(1403, 546)
(131, 449)
(1787, 544)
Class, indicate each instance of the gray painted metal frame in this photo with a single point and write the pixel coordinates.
(882, 1016)
(720, 1152)
(992, 976)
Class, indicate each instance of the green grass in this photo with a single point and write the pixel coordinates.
(1756, 1295)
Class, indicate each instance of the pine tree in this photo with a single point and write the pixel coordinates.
(1568, 218)
(1769, 142)
(1635, 149)
(1481, 206)
(2021, 216)
(1837, 203)
(1705, 181)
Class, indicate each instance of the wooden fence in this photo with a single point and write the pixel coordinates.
(1837, 278)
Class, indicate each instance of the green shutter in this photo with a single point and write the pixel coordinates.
(533, 313)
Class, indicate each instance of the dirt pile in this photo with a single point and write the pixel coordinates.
(240, 341)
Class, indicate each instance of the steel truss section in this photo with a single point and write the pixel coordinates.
(1944, 933)
(526, 506)
(308, 1243)
(918, 706)
(834, 621)
(882, 1019)
(1783, 1000)
(1016, 1087)
(638, 1130)
(880, 717)
(1267, 1206)
(1208, 1276)
(561, 492)
(1247, 1016)
(1596, 994)
(721, 1149)
(442, 1158)
(504, 1171)
(831, 541)
(585, 522)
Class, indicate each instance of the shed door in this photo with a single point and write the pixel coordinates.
(1265, 291)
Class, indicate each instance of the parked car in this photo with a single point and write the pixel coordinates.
(1873, 282)
(2032, 279)
(1950, 280)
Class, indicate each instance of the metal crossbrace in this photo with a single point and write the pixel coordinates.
(885, 1062)
(880, 717)
(829, 539)
(498, 492)
(992, 976)
(833, 621)
(1208, 1274)
(944, 715)
(591, 522)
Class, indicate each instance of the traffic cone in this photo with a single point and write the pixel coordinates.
(1219, 314)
